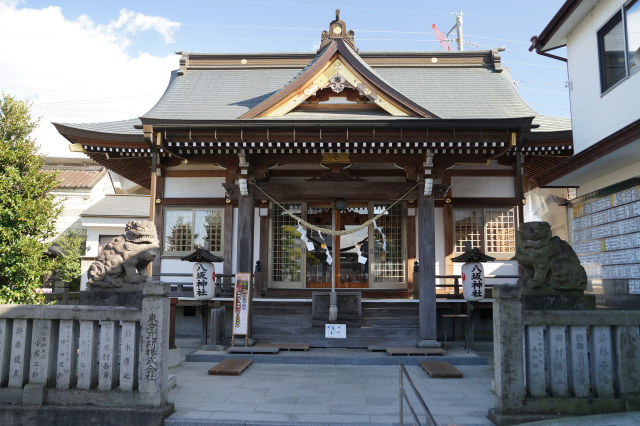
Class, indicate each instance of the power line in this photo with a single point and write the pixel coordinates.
(536, 82)
(430, 12)
(534, 65)
(342, 8)
(542, 90)
(549, 105)
(499, 39)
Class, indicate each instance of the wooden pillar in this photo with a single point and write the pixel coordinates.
(411, 250)
(261, 285)
(427, 259)
(156, 212)
(227, 266)
(246, 211)
(519, 186)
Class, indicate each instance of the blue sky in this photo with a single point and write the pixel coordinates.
(80, 61)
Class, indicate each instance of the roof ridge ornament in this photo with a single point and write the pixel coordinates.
(337, 29)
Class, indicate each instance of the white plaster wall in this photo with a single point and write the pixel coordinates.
(194, 187)
(610, 179)
(595, 115)
(76, 200)
(469, 187)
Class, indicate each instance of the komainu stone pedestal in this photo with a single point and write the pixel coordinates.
(558, 302)
(128, 299)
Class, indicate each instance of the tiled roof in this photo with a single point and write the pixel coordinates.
(77, 176)
(134, 206)
(548, 123)
(124, 127)
(472, 90)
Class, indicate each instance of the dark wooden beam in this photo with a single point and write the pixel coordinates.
(246, 207)
(426, 241)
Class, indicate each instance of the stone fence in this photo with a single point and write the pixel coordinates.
(562, 363)
(97, 357)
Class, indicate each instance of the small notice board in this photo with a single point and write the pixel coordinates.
(241, 298)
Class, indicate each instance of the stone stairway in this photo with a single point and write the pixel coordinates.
(381, 324)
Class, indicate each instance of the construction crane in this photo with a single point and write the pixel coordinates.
(442, 39)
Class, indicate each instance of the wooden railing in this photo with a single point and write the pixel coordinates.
(105, 356)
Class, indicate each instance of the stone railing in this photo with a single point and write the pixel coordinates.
(562, 363)
(102, 356)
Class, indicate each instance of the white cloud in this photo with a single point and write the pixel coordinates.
(130, 22)
(75, 71)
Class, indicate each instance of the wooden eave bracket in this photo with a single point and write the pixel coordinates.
(147, 129)
(76, 147)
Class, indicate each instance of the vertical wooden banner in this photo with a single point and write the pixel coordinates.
(241, 298)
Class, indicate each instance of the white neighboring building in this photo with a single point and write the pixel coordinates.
(83, 182)
(603, 55)
(107, 219)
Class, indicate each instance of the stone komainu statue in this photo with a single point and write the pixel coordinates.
(124, 259)
(548, 262)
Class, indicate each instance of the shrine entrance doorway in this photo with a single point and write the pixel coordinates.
(369, 257)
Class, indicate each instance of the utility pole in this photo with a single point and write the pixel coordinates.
(459, 25)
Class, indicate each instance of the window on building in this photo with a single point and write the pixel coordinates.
(619, 46)
(490, 230)
(287, 247)
(389, 263)
(188, 229)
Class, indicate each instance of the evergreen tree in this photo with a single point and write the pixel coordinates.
(68, 263)
(27, 208)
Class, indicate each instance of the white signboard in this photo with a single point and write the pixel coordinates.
(204, 278)
(335, 331)
(241, 303)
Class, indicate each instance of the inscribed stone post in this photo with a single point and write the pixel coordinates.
(558, 371)
(128, 364)
(66, 367)
(508, 357)
(579, 361)
(42, 343)
(18, 365)
(601, 359)
(153, 367)
(88, 350)
(628, 350)
(535, 349)
(106, 356)
(5, 351)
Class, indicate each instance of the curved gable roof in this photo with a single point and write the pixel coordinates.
(338, 58)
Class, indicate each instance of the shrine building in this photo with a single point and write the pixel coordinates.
(414, 156)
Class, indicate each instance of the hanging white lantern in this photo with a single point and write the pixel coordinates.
(473, 285)
(204, 279)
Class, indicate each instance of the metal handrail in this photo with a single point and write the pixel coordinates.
(429, 419)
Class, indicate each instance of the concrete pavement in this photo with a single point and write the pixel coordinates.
(313, 394)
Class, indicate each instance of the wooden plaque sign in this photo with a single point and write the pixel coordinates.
(241, 297)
